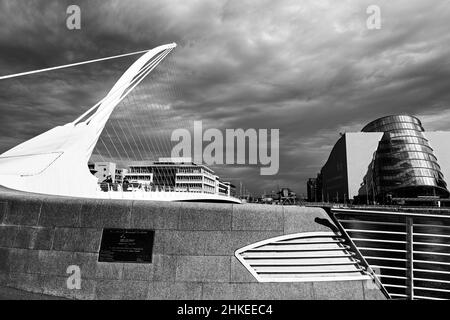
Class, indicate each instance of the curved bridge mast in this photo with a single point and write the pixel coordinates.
(55, 162)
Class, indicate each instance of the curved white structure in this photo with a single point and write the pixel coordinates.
(55, 162)
(302, 257)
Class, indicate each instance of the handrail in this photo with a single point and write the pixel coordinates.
(398, 262)
(390, 213)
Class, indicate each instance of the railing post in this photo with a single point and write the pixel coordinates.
(409, 258)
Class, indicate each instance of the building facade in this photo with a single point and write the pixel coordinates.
(103, 170)
(120, 174)
(391, 158)
(314, 189)
(404, 164)
(167, 174)
(140, 174)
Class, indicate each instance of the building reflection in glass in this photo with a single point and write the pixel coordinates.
(404, 164)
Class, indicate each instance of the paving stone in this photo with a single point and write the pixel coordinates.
(227, 242)
(287, 291)
(52, 285)
(138, 271)
(253, 217)
(33, 264)
(55, 262)
(301, 219)
(239, 273)
(371, 292)
(77, 239)
(57, 286)
(55, 213)
(338, 290)
(160, 241)
(4, 260)
(18, 259)
(25, 261)
(44, 239)
(33, 238)
(107, 270)
(106, 214)
(25, 237)
(164, 268)
(65, 239)
(183, 242)
(174, 291)
(157, 215)
(4, 279)
(203, 268)
(87, 291)
(258, 291)
(23, 212)
(87, 263)
(205, 216)
(25, 281)
(8, 235)
(3, 210)
(135, 290)
(108, 290)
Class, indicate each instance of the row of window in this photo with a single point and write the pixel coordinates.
(379, 124)
(404, 133)
(409, 140)
(393, 169)
(404, 157)
(194, 188)
(139, 170)
(189, 178)
(403, 175)
(162, 169)
(401, 126)
(414, 181)
(190, 185)
(143, 178)
(385, 148)
(189, 170)
(394, 158)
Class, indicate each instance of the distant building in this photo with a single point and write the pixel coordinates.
(392, 158)
(180, 175)
(120, 175)
(167, 174)
(233, 190)
(140, 174)
(102, 170)
(314, 189)
(91, 167)
(311, 189)
(224, 187)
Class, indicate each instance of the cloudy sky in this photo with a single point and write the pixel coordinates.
(309, 68)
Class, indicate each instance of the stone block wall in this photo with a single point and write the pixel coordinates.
(193, 254)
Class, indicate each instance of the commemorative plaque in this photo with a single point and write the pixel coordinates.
(126, 245)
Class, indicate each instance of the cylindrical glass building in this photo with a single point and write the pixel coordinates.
(404, 164)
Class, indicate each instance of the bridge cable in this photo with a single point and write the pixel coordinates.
(70, 65)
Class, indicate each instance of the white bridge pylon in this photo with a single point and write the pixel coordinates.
(55, 162)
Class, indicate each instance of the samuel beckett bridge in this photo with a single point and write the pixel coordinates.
(119, 148)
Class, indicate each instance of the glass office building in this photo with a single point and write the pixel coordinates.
(404, 165)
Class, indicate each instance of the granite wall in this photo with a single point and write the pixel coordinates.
(193, 255)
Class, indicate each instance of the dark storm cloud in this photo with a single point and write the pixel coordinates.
(310, 68)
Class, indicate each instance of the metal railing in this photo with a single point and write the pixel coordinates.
(408, 252)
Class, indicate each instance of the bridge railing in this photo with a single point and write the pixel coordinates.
(408, 252)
